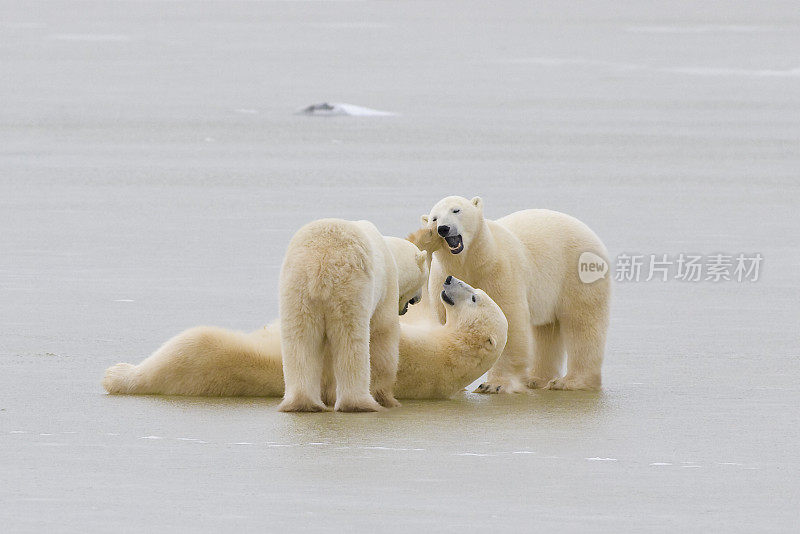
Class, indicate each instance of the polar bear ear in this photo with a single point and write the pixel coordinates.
(477, 202)
(424, 220)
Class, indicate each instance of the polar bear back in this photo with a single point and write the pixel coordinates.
(552, 243)
(328, 257)
(543, 230)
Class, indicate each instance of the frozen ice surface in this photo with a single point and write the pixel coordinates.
(149, 153)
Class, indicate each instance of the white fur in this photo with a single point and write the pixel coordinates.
(427, 240)
(208, 361)
(340, 296)
(528, 263)
(436, 360)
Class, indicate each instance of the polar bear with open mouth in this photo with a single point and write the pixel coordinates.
(528, 262)
(436, 361)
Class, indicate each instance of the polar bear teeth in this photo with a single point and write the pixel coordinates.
(455, 243)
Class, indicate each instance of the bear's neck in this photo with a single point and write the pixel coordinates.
(470, 334)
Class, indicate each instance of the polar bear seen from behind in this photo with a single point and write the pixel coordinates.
(436, 361)
(339, 298)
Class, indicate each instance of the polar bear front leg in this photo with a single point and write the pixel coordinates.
(509, 373)
(384, 350)
(435, 281)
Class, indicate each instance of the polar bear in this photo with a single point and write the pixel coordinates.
(342, 286)
(528, 262)
(436, 361)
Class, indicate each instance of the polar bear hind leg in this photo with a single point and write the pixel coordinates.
(585, 342)
(120, 379)
(302, 364)
(347, 332)
(548, 357)
(328, 380)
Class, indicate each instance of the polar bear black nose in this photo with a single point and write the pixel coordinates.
(448, 279)
(443, 230)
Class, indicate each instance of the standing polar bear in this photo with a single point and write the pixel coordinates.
(342, 286)
(528, 262)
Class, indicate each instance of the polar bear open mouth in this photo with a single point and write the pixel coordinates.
(411, 302)
(447, 299)
(455, 243)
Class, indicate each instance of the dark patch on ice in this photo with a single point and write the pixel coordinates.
(326, 109)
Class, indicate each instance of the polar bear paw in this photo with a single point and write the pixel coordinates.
(499, 385)
(358, 404)
(536, 382)
(386, 399)
(119, 379)
(301, 403)
(486, 387)
(568, 383)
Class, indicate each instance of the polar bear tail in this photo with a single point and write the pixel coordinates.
(119, 379)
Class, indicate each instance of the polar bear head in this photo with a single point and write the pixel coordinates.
(474, 312)
(412, 271)
(457, 220)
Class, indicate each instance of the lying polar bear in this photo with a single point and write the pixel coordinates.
(528, 262)
(436, 361)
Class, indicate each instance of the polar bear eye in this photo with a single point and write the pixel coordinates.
(456, 210)
(434, 219)
(474, 299)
